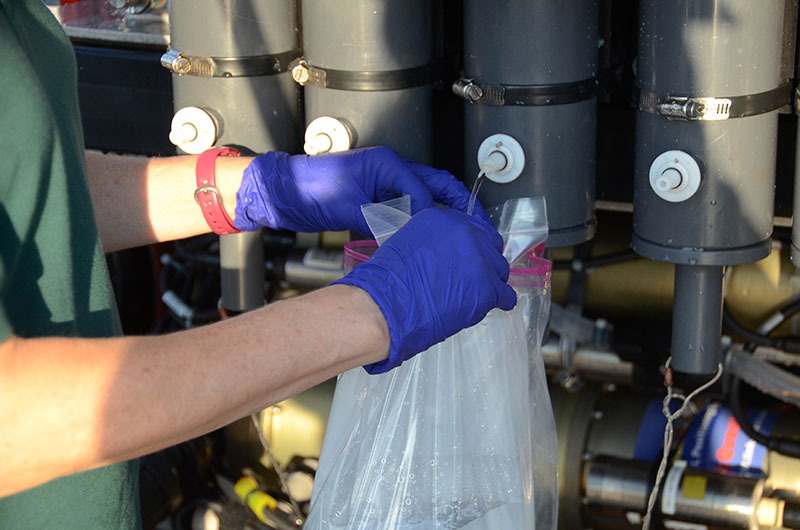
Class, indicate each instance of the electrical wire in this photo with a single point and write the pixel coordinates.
(779, 317)
(669, 431)
(789, 344)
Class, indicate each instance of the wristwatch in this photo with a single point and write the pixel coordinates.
(208, 196)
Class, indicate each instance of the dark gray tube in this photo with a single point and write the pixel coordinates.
(537, 43)
(697, 319)
(259, 113)
(241, 259)
(372, 35)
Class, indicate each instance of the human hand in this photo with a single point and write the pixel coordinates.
(325, 192)
(440, 273)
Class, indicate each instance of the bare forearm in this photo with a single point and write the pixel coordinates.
(139, 200)
(105, 400)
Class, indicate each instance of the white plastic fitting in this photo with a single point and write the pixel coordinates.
(501, 157)
(496, 161)
(193, 130)
(675, 176)
(327, 135)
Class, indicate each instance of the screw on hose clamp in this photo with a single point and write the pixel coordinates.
(695, 109)
(684, 108)
(468, 89)
(301, 73)
(304, 74)
(174, 61)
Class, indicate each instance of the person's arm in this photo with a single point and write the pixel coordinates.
(139, 200)
(68, 405)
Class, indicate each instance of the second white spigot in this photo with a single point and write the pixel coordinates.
(501, 158)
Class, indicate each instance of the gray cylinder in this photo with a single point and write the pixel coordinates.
(542, 42)
(372, 36)
(697, 319)
(259, 113)
(705, 48)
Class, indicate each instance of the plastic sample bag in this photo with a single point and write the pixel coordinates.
(446, 440)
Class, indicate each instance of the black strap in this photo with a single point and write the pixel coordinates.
(686, 108)
(251, 66)
(363, 81)
(539, 95)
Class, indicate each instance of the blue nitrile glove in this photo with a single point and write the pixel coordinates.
(440, 273)
(325, 192)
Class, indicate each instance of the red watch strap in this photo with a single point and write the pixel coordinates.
(208, 196)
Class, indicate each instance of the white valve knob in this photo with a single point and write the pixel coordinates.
(675, 176)
(501, 157)
(670, 179)
(185, 133)
(327, 135)
(193, 130)
(495, 162)
(321, 143)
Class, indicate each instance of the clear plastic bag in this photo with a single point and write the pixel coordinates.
(446, 440)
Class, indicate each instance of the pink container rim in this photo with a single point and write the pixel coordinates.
(539, 266)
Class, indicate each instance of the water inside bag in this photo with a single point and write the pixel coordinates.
(444, 441)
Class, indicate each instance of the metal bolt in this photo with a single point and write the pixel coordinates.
(301, 74)
(473, 92)
(467, 89)
(181, 65)
(597, 415)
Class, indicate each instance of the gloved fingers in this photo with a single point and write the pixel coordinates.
(391, 177)
(480, 213)
(506, 297)
(408, 184)
(487, 230)
(501, 266)
(448, 190)
(361, 227)
(444, 187)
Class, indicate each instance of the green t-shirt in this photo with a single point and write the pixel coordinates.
(53, 277)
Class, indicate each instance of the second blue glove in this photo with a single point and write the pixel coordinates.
(440, 273)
